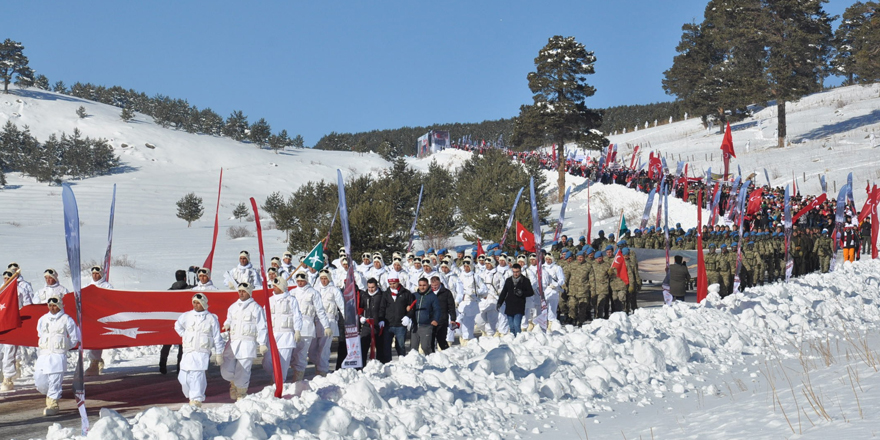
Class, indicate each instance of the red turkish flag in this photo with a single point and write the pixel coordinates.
(727, 142)
(120, 318)
(755, 199)
(480, 250)
(816, 202)
(619, 264)
(9, 317)
(525, 237)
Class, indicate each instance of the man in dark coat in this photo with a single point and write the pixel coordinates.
(679, 278)
(446, 300)
(398, 302)
(179, 284)
(372, 319)
(425, 317)
(516, 290)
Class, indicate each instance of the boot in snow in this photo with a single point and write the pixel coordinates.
(233, 391)
(195, 403)
(298, 375)
(242, 393)
(7, 385)
(51, 407)
(93, 369)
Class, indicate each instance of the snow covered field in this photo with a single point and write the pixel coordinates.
(782, 361)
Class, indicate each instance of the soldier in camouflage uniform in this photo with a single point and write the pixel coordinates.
(823, 248)
(728, 253)
(635, 280)
(713, 267)
(576, 283)
(600, 288)
(752, 265)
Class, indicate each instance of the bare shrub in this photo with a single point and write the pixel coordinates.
(437, 241)
(238, 232)
(123, 261)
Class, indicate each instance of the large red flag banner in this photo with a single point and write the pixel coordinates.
(525, 237)
(702, 281)
(9, 317)
(120, 318)
(619, 265)
(727, 150)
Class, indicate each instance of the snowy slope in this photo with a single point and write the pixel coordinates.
(147, 229)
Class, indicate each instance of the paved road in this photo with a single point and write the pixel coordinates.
(135, 389)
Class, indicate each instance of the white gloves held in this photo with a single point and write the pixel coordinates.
(263, 349)
(381, 324)
(217, 359)
(406, 321)
(297, 337)
(328, 332)
(363, 320)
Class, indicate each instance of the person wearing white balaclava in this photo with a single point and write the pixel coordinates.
(96, 360)
(468, 300)
(246, 324)
(331, 297)
(200, 332)
(205, 283)
(243, 273)
(287, 323)
(53, 288)
(314, 316)
(10, 365)
(57, 335)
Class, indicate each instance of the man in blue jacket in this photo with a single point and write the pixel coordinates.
(425, 317)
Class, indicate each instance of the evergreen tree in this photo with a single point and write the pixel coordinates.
(236, 126)
(438, 219)
(280, 141)
(81, 112)
(866, 40)
(846, 39)
(190, 208)
(274, 202)
(485, 187)
(42, 82)
(559, 88)
(127, 114)
(297, 141)
(2, 178)
(260, 132)
(14, 64)
(241, 211)
(211, 122)
(59, 87)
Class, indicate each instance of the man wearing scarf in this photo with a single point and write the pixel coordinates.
(200, 332)
(246, 324)
(57, 334)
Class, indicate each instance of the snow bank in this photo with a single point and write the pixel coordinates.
(482, 389)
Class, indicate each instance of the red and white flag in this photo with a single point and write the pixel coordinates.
(9, 316)
(727, 149)
(619, 265)
(525, 237)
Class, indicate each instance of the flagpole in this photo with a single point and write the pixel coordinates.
(619, 221)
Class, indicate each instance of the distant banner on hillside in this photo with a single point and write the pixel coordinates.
(432, 142)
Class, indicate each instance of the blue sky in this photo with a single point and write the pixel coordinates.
(314, 67)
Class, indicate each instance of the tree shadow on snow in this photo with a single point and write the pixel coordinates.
(840, 127)
(46, 96)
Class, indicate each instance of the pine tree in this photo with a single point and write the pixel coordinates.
(236, 126)
(190, 208)
(297, 142)
(13, 64)
(279, 142)
(2, 178)
(59, 87)
(260, 132)
(81, 112)
(241, 211)
(485, 198)
(127, 114)
(559, 88)
(438, 220)
(274, 202)
(42, 82)
(798, 39)
(866, 40)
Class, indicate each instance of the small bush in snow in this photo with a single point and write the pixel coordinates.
(238, 232)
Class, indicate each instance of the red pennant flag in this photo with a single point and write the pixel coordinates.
(525, 237)
(619, 265)
(632, 160)
(816, 202)
(875, 223)
(9, 316)
(727, 149)
(702, 282)
(755, 199)
(869, 206)
(480, 250)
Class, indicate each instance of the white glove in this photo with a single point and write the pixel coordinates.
(297, 337)
(363, 320)
(553, 286)
(328, 332)
(263, 349)
(218, 359)
(381, 324)
(406, 321)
